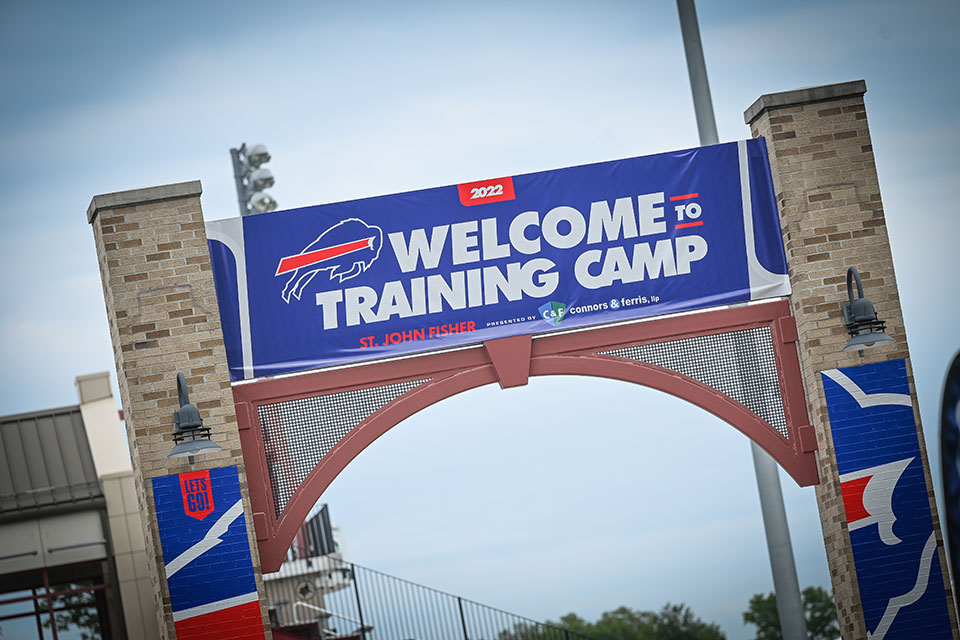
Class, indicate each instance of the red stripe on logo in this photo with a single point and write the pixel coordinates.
(852, 491)
(292, 263)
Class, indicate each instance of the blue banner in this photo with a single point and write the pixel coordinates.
(206, 554)
(886, 501)
(524, 254)
(950, 461)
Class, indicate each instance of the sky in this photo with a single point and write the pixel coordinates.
(569, 494)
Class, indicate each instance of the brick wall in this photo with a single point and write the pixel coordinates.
(163, 315)
(831, 214)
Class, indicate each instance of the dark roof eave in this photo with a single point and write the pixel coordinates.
(35, 513)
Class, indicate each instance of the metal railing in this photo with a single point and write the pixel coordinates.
(329, 598)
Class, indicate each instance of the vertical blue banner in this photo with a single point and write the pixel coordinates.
(885, 498)
(950, 461)
(206, 555)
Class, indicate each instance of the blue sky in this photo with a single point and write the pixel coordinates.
(512, 498)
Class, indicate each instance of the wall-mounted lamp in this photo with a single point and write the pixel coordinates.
(191, 436)
(860, 318)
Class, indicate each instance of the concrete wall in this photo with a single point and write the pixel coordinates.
(108, 442)
(108, 446)
(130, 556)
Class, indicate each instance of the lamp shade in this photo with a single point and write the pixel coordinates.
(867, 340)
(193, 447)
(860, 317)
(191, 436)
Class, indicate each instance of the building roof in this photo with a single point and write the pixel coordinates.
(45, 462)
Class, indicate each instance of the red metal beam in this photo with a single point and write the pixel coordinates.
(574, 353)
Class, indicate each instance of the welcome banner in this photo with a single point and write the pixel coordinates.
(524, 254)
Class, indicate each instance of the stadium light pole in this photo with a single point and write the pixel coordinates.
(252, 178)
(793, 624)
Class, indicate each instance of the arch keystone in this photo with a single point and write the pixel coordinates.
(511, 359)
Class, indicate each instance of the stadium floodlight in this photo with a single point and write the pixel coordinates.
(191, 436)
(261, 202)
(258, 155)
(860, 318)
(251, 179)
(261, 179)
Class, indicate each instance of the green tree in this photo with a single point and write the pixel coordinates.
(575, 623)
(818, 609)
(677, 622)
(81, 613)
(821, 613)
(524, 631)
(673, 622)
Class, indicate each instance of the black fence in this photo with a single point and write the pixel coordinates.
(328, 598)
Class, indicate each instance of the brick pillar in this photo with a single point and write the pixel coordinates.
(163, 315)
(831, 216)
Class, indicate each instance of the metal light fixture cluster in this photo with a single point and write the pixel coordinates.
(252, 178)
(191, 436)
(860, 318)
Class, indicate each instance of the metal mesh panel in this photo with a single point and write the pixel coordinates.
(740, 364)
(298, 433)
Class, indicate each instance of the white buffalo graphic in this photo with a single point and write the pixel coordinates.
(346, 250)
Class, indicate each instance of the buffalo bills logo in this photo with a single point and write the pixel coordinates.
(868, 498)
(886, 502)
(345, 250)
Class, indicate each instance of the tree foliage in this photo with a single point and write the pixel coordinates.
(80, 615)
(818, 608)
(673, 622)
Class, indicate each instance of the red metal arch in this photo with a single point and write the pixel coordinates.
(510, 361)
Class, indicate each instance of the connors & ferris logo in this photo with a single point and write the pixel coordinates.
(346, 250)
(553, 312)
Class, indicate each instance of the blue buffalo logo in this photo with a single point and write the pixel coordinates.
(875, 496)
(885, 501)
(345, 250)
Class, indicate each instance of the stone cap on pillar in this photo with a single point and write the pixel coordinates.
(93, 387)
(134, 197)
(101, 420)
(806, 95)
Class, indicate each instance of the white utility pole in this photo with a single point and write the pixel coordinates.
(793, 624)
